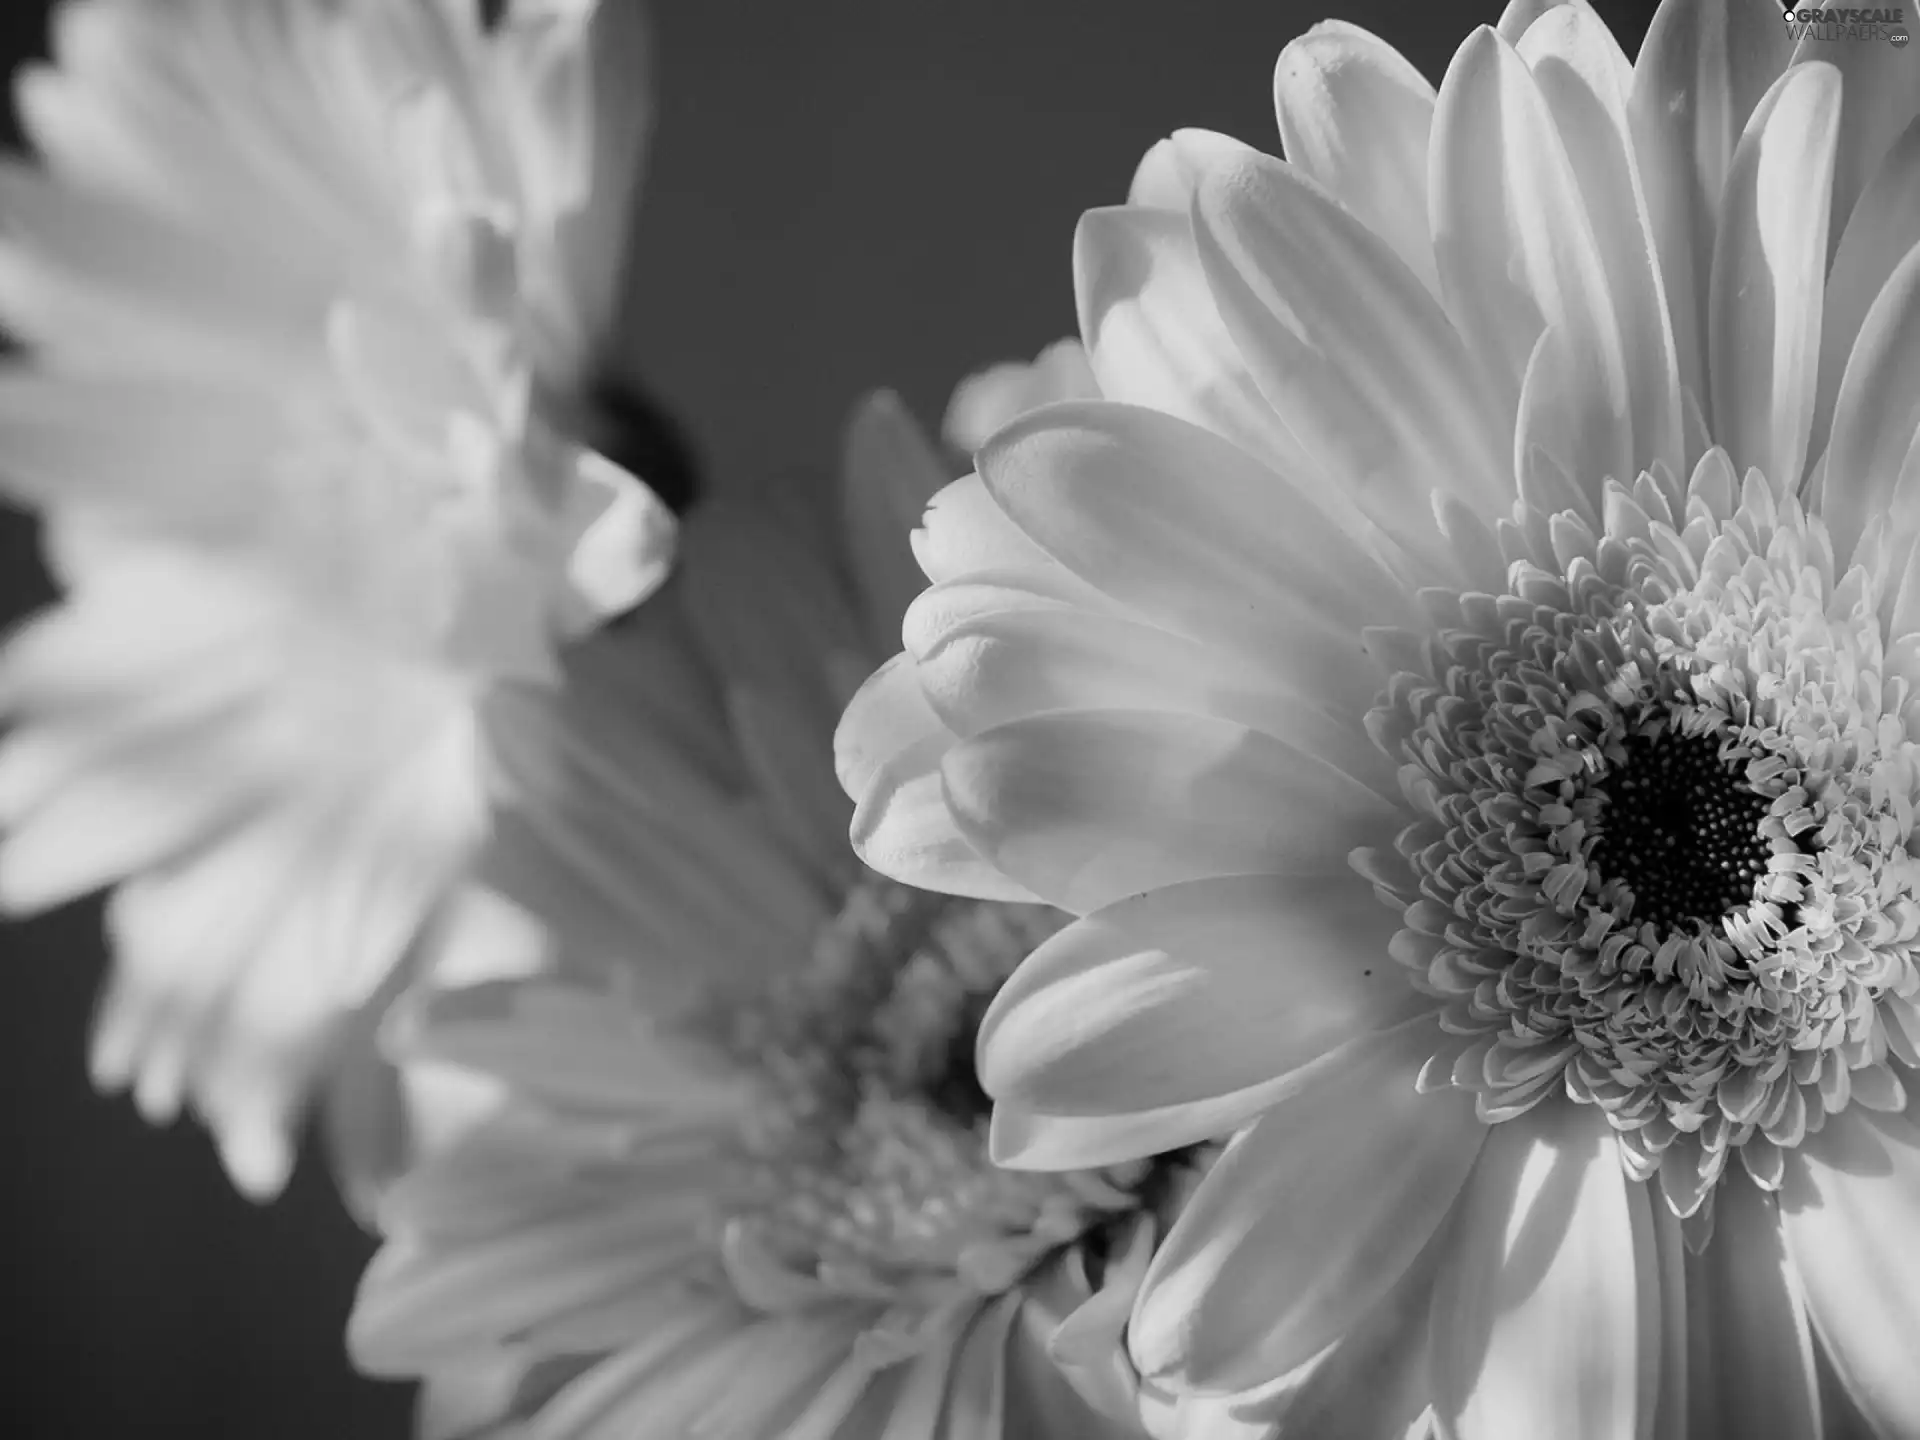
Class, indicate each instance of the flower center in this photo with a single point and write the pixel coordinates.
(864, 1166)
(1681, 830)
(1662, 862)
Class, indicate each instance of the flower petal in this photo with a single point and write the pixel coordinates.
(1849, 1208)
(1749, 1349)
(988, 399)
(1308, 1219)
(1350, 348)
(888, 750)
(1879, 234)
(1515, 251)
(1354, 115)
(1154, 337)
(1769, 275)
(1586, 81)
(889, 472)
(1876, 418)
(1192, 992)
(1702, 68)
(1539, 1311)
(1083, 809)
(1194, 535)
(1168, 172)
(991, 652)
(1882, 86)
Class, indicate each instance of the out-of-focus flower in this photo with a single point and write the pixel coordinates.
(982, 403)
(1468, 688)
(738, 1185)
(297, 284)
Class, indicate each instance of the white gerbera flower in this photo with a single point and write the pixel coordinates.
(742, 1188)
(288, 282)
(1471, 690)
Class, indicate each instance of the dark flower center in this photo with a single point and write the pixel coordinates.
(1680, 828)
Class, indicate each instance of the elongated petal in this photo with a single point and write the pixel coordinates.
(889, 473)
(1848, 1211)
(1539, 1311)
(1309, 1218)
(1877, 415)
(1190, 992)
(1879, 234)
(1083, 809)
(1882, 87)
(1154, 337)
(1354, 115)
(1702, 68)
(1022, 1139)
(1586, 82)
(1769, 275)
(1193, 534)
(1350, 348)
(889, 749)
(965, 531)
(1514, 248)
(1168, 172)
(988, 399)
(990, 652)
(1749, 1348)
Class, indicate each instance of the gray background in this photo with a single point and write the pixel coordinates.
(843, 193)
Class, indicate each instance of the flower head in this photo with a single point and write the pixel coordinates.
(734, 1178)
(1463, 677)
(294, 282)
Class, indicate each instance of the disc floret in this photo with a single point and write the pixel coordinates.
(1664, 863)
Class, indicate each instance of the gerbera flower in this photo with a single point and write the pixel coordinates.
(1468, 690)
(738, 1184)
(297, 283)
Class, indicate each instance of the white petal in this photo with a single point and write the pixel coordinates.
(1083, 809)
(1515, 251)
(184, 453)
(985, 401)
(571, 1046)
(1702, 68)
(1372, 1382)
(889, 750)
(989, 652)
(1879, 233)
(623, 539)
(422, 1305)
(1192, 992)
(1354, 115)
(1539, 1312)
(1586, 82)
(1849, 1211)
(1769, 275)
(1749, 1349)
(1196, 536)
(1307, 1220)
(1882, 87)
(1520, 16)
(1022, 1139)
(889, 473)
(965, 531)
(1876, 417)
(1169, 172)
(1351, 350)
(1154, 337)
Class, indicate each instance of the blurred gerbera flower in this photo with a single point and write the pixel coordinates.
(1468, 690)
(298, 285)
(738, 1185)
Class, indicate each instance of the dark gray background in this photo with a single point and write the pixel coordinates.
(843, 193)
